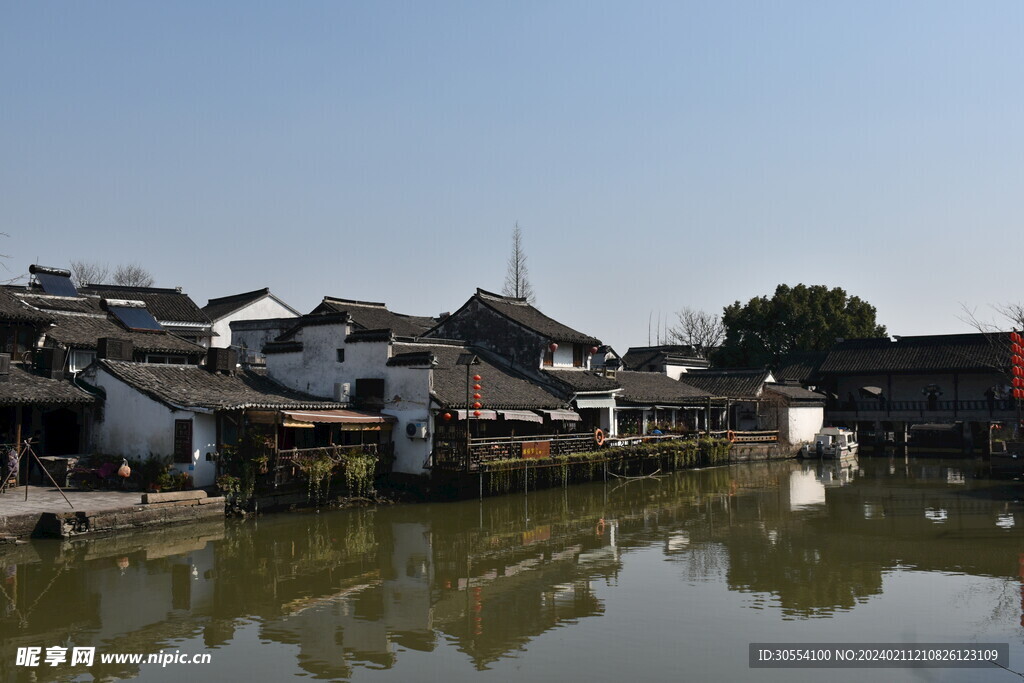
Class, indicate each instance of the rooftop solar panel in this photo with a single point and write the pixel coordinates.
(135, 318)
(58, 285)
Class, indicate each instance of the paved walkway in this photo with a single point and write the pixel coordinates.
(48, 499)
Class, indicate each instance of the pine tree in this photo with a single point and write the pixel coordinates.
(517, 279)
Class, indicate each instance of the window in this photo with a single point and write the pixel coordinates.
(577, 356)
(341, 355)
(549, 357)
(183, 441)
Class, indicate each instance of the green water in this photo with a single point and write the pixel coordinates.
(653, 579)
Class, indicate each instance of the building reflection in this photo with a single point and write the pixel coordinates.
(354, 589)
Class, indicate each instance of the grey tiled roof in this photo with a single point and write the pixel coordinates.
(12, 309)
(166, 305)
(189, 386)
(222, 306)
(83, 331)
(22, 387)
(654, 387)
(640, 357)
(502, 387)
(729, 383)
(794, 393)
(918, 354)
(799, 366)
(375, 316)
(529, 317)
(582, 380)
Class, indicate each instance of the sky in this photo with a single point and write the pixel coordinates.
(656, 155)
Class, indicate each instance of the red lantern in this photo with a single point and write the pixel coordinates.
(1018, 361)
(476, 387)
(1016, 338)
(552, 347)
(477, 396)
(447, 417)
(477, 378)
(593, 350)
(1018, 393)
(124, 471)
(476, 413)
(1018, 382)
(477, 404)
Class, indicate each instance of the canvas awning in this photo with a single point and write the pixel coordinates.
(595, 402)
(568, 415)
(356, 417)
(521, 415)
(484, 415)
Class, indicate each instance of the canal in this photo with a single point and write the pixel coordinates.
(667, 578)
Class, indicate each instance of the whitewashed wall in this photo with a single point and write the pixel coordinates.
(315, 369)
(267, 307)
(802, 423)
(136, 426)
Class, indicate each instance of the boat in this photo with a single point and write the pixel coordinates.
(831, 442)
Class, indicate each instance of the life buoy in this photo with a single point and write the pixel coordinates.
(599, 437)
(731, 435)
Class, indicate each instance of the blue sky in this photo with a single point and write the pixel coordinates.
(656, 155)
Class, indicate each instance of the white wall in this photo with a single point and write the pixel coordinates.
(267, 307)
(315, 369)
(136, 426)
(802, 423)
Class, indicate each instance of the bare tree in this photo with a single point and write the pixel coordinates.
(517, 281)
(132, 275)
(89, 272)
(702, 330)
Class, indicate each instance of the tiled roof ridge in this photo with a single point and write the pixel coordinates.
(353, 302)
(518, 301)
(131, 288)
(244, 296)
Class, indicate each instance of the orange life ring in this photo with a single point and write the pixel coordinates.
(599, 437)
(731, 435)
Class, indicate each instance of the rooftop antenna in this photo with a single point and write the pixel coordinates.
(649, 315)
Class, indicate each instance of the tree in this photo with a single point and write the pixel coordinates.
(517, 280)
(701, 330)
(801, 318)
(132, 275)
(89, 272)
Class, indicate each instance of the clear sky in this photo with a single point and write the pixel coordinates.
(656, 155)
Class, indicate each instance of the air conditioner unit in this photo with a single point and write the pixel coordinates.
(342, 391)
(416, 430)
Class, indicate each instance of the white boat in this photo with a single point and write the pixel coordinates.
(831, 442)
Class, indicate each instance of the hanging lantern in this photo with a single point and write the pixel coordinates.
(593, 350)
(477, 387)
(552, 347)
(476, 413)
(477, 404)
(446, 417)
(124, 471)
(1016, 338)
(477, 378)
(477, 396)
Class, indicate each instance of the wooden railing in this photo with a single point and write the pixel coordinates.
(920, 407)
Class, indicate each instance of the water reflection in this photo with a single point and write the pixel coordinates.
(352, 591)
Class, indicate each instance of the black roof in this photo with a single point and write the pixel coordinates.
(654, 387)
(503, 388)
(582, 380)
(799, 366)
(82, 332)
(166, 305)
(222, 306)
(22, 387)
(189, 386)
(640, 357)
(370, 315)
(944, 352)
(523, 313)
(15, 309)
(744, 383)
(795, 394)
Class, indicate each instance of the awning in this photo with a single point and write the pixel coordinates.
(521, 415)
(484, 415)
(337, 416)
(568, 415)
(871, 392)
(590, 402)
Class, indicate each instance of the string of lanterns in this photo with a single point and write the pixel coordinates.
(1017, 364)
